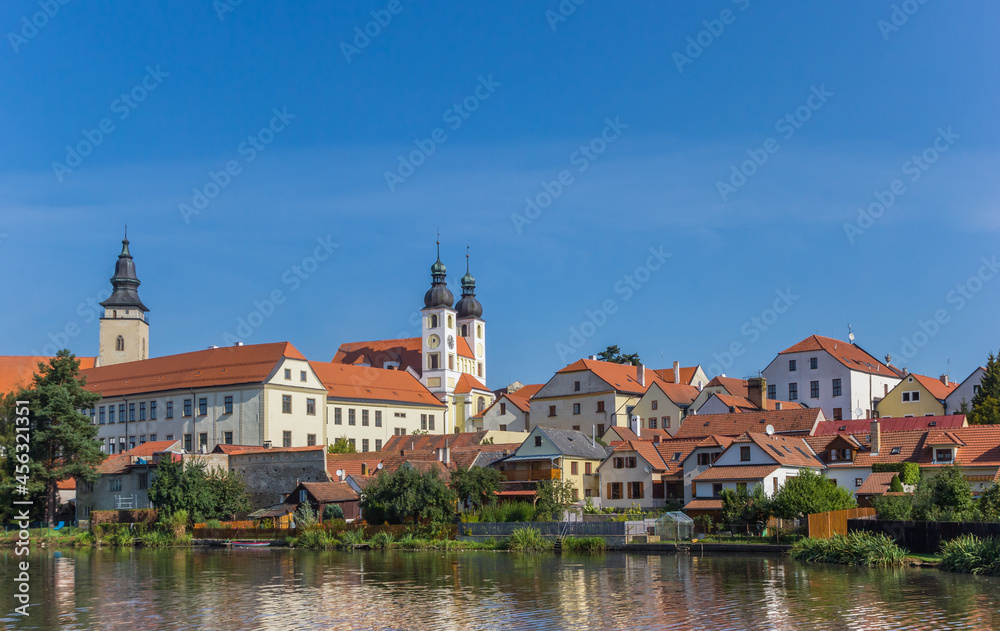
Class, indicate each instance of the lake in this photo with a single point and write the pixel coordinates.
(286, 589)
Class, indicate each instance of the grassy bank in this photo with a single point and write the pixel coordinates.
(969, 554)
(522, 540)
(857, 548)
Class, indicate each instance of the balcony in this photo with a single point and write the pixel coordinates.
(531, 475)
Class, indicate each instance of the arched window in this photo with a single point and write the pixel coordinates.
(451, 322)
(120, 343)
(481, 404)
(433, 319)
(465, 330)
(114, 313)
(479, 331)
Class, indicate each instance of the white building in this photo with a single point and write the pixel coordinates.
(839, 377)
(964, 392)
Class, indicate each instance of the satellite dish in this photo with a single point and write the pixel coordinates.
(379, 466)
(340, 473)
(648, 469)
(857, 412)
(769, 430)
(850, 336)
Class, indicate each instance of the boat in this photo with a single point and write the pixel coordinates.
(250, 544)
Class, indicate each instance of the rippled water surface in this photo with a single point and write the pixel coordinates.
(286, 589)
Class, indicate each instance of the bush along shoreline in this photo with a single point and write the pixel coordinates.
(970, 554)
(857, 548)
(526, 539)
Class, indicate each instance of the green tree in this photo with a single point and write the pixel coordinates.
(986, 403)
(614, 355)
(406, 496)
(553, 498)
(341, 446)
(810, 492)
(332, 511)
(203, 493)
(894, 507)
(909, 473)
(895, 486)
(744, 506)
(62, 442)
(944, 496)
(478, 484)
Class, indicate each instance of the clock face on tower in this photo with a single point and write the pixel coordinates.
(451, 341)
(479, 350)
(433, 341)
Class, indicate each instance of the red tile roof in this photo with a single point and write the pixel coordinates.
(522, 396)
(621, 377)
(118, 463)
(703, 504)
(212, 367)
(681, 449)
(680, 394)
(667, 374)
(876, 484)
(352, 464)
(846, 353)
(69, 484)
(743, 404)
(935, 386)
(364, 383)
(17, 371)
(783, 421)
(732, 385)
(625, 433)
(737, 472)
(430, 442)
(788, 451)
(406, 351)
(463, 349)
(979, 446)
(327, 492)
(644, 448)
(893, 424)
(468, 383)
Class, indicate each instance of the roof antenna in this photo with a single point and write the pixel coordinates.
(850, 333)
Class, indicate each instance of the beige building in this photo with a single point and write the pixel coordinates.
(917, 395)
(511, 412)
(664, 406)
(124, 329)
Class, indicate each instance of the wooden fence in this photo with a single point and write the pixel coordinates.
(825, 525)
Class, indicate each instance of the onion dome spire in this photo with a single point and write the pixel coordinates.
(438, 295)
(468, 306)
(125, 282)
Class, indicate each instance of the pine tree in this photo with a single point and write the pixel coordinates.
(986, 403)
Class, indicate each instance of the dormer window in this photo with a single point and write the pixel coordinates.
(943, 455)
(894, 451)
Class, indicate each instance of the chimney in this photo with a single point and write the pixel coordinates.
(592, 357)
(364, 469)
(656, 439)
(446, 453)
(757, 392)
(876, 436)
(677, 372)
(777, 405)
(267, 444)
(944, 379)
(640, 372)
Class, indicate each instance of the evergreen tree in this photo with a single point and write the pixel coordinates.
(895, 486)
(614, 355)
(986, 403)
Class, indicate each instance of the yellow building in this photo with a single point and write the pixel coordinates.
(557, 454)
(916, 395)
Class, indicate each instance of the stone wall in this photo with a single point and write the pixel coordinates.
(271, 475)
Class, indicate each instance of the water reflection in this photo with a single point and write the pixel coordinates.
(285, 589)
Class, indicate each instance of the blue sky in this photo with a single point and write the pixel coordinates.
(833, 101)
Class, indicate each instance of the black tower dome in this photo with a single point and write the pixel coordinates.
(125, 283)
(438, 295)
(468, 306)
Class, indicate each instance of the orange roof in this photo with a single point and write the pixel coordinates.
(69, 484)
(876, 483)
(846, 353)
(743, 404)
(351, 464)
(406, 351)
(626, 433)
(644, 448)
(890, 424)
(521, 397)
(199, 369)
(667, 374)
(430, 442)
(17, 371)
(326, 492)
(464, 350)
(703, 504)
(120, 462)
(468, 383)
(365, 383)
(788, 451)
(783, 421)
(674, 452)
(737, 472)
(935, 386)
(621, 377)
(679, 393)
(978, 446)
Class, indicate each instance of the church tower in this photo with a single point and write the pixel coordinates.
(124, 330)
(440, 370)
(471, 325)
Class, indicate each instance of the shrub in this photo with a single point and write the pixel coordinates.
(351, 538)
(213, 523)
(175, 522)
(857, 548)
(315, 538)
(894, 507)
(332, 511)
(305, 516)
(527, 539)
(120, 537)
(84, 539)
(585, 544)
(971, 555)
(895, 486)
(156, 539)
(382, 540)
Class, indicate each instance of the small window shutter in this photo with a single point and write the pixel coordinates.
(642, 493)
(609, 490)
(629, 486)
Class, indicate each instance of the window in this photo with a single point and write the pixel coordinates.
(465, 330)
(227, 404)
(745, 454)
(288, 374)
(101, 416)
(203, 441)
(353, 442)
(187, 443)
(121, 413)
(793, 391)
(120, 342)
(894, 451)
(378, 444)
(227, 437)
(576, 428)
(152, 438)
(666, 422)
(813, 389)
(600, 429)
(772, 391)
(705, 459)
(286, 439)
(479, 368)
(630, 462)
(652, 422)
(576, 386)
(942, 455)
(451, 322)
(378, 419)
(587, 468)
(614, 490)
(838, 414)
(423, 421)
(574, 468)
(538, 441)
(600, 406)
(170, 409)
(433, 361)
(143, 481)
(286, 404)
(364, 444)
(635, 490)
(337, 418)
(111, 446)
(503, 428)
(654, 404)
(432, 321)
(913, 396)
(202, 406)
(791, 365)
(115, 484)
(170, 436)
(858, 481)
(430, 422)
(302, 375)
(142, 439)
(576, 494)
(187, 407)
(503, 409)
(975, 389)
(813, 363)
(552, 410)
(717, 486)
(311, 440)
(576, 408)
(142, 411)
(311, 407)
(451, 362)
(131, 412)
(837, 389)
(481, 404)
(351, 417)
(152, 410)
(364, 418)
